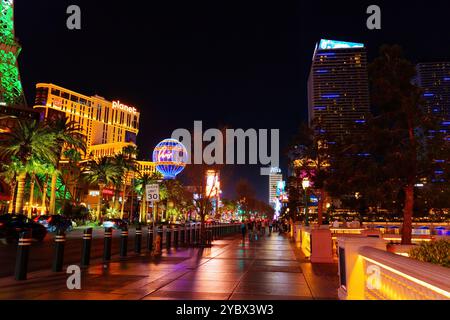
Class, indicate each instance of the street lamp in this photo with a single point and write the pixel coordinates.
(305, 185)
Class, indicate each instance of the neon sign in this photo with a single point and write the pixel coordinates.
(118, 105)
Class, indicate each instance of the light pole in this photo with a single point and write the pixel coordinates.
(305, 185)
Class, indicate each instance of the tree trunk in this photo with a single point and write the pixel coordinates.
(20, 192)
(44, 196)
(52, 206)
(99, 203)
(320, 207)
(30, 207)
(13, 195)
(407, 214)
(123, 200)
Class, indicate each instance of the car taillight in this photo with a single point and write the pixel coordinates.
(1, 224)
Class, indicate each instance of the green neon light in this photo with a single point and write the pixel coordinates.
(11, 90)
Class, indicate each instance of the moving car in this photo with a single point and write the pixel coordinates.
(114, 223)
(55, 222)
(12, 225)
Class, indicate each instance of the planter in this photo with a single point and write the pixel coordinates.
(401, 249)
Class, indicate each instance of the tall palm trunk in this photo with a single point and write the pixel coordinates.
(31, 201)
(52, 207)
(407, 214)
(143, 210)
(20, 192)
(44, 195)
(99, 203)
(13, 195)
(124, 189)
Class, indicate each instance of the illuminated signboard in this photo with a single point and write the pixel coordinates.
(118, 105)
(332, 44)
(212, 183)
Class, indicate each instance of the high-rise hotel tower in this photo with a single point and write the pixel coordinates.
(434, 79)
(338, 87)
(109, 126)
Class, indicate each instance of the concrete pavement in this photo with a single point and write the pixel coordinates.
(271, 268)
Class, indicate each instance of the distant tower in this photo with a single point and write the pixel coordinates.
(11, 92)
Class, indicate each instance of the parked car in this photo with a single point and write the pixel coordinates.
(114, 223)
(12, 225)
(55, 222)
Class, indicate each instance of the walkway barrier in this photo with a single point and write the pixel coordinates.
(150, 238)
(168, 237)
(23, 252)
(58, 258)
(367, 271)
(123, 242)
(107, 245)
(86, 248)
(138, 240)
(182, 234)
(176, 236)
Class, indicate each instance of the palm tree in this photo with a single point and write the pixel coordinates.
(29, 140)
(68, 135)
(9, 172)
(140, 183)
(102, 172)
(126, 164)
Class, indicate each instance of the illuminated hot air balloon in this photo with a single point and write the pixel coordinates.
(170, 157)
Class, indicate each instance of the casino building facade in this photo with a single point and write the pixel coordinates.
(109, 126)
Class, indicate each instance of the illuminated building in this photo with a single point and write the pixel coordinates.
(146, 167)
(11, 92)
(275, 178)
(338, 87)
(108, 126)
(434, 79)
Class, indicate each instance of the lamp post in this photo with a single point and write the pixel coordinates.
(305, 185)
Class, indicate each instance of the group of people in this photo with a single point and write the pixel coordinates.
(256, 229)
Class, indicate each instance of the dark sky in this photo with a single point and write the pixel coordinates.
(242, 63)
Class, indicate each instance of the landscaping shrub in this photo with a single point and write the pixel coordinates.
(437, 252)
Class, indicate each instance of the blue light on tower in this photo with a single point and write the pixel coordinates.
(170, 157)
(325, 44)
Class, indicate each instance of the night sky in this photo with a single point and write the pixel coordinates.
(241, 64)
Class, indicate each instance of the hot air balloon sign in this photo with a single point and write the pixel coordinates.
(170, 157)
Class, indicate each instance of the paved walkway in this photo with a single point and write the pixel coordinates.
(271, 268)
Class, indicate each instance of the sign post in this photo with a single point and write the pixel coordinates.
(152, 196)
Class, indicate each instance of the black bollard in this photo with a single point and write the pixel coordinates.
(188, 234)
(107, 245)
(175, 237)
(86, 251)
(182, 234)
(150, 239)
(194, 234)
(168, 237)
(160, 234)
(23, 251)
(124, 242)
(138, 240)
(58, 258)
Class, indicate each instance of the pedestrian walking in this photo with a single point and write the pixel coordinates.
(270, 227)
(243, 230)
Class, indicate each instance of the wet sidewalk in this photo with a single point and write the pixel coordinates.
(271, 268)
